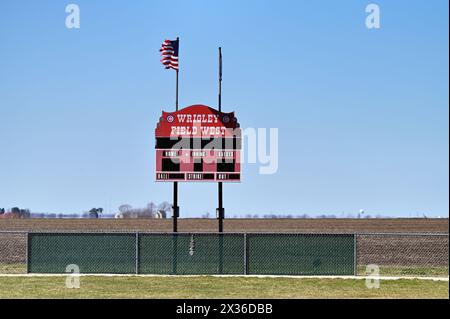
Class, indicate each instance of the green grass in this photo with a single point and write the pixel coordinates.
(215, 287)
(384, 270)
(408, 271)
(13, 268)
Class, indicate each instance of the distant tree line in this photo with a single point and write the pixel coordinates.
(163, 210)
(124, 211)
(150, 211)
(15, 213)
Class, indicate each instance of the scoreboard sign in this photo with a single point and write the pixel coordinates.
(198, 143)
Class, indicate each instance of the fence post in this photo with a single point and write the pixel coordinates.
(27, 254)
(245, 254)
(355, 254)
(137, 254)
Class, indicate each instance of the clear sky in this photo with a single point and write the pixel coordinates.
(362, 113)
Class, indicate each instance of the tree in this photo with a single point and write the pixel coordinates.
(2, 211)
(164, 208)
(151, 210)
(124, 208)
(15, 212)
(24, 213)
(94, 212)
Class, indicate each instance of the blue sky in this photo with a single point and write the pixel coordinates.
(362, 114)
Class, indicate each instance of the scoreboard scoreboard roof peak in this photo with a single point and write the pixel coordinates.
(197, 120)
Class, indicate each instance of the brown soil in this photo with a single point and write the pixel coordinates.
(232, 225)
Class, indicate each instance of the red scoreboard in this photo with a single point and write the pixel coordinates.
(198, 143)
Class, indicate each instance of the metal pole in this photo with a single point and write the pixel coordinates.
(175, 229)
(220, 79)
(175, 184)
(175, 207)
(176, 99)
(28, 253)
(245, 255)
(137, 254)
(355, 254)
(220, 210)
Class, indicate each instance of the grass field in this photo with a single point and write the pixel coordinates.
(216, 287)
(407, 271)
(385, 271)
(382, 250)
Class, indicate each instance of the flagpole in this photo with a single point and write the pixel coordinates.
(176, 101)
(176, 209)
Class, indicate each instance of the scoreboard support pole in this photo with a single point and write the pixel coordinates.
(176, 209)
(220, 215)
(220, 209)
(175, 228)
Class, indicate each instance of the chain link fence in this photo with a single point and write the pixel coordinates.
(230, 253)
(13, 252)
(301, 254)
(191, 254)
(403, 254)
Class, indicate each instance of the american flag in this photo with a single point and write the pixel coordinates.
(169, 54)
